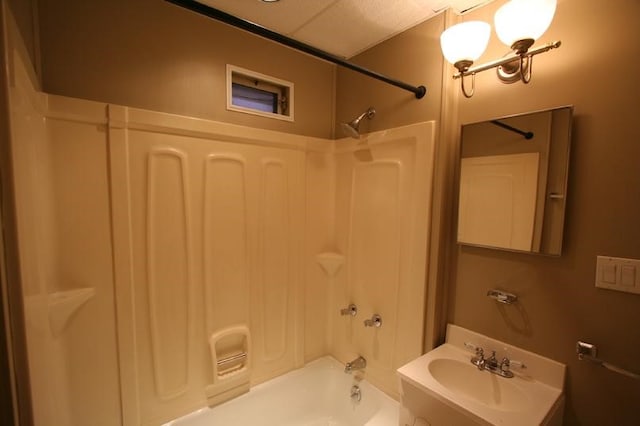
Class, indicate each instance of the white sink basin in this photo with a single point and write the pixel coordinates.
(442, 387)
(466, 380)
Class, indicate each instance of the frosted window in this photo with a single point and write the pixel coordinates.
(250, 97)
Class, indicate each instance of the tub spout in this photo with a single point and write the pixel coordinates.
(357, 364)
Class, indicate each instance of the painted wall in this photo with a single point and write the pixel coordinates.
(559, 303)
(25, 13)
(413, 57)
(154, 55)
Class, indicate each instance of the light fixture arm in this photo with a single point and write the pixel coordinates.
(473, 86)
(510, 58)
(525, 69)
(463, 66)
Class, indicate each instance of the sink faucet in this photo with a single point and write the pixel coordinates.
(492, 362)
(357, 364)
(492, 365)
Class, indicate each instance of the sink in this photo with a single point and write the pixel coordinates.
(442, 387)
(466, 380)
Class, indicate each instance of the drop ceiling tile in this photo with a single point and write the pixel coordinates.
(283, 17)
(463, 6)
(351, 26)
(342, 27)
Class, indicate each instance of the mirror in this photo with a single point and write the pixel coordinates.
(513, 182)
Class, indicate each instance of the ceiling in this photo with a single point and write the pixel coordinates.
(341, 27)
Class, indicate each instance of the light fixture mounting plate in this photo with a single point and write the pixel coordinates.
(510, 72)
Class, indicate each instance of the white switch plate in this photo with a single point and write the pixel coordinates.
(616, 273)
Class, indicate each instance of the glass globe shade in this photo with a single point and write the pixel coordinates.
(523, 19)
(466, 41)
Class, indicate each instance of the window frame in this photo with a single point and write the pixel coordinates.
(266, 83)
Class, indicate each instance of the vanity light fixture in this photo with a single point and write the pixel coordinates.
(518, 23)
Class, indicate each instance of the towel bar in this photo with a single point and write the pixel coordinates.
(588, 351)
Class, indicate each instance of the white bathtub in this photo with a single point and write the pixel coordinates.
(316, 395)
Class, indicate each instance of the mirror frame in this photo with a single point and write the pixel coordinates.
(550, 206)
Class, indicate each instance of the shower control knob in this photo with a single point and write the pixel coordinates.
(349, 310)
(375, 321)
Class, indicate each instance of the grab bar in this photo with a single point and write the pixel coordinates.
(588, 351)
(232, 358)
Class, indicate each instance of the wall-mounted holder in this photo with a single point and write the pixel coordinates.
(588, 351)
(502, 296)
(231, 364)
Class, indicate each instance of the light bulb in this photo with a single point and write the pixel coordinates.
(465, 42)
(523, 20)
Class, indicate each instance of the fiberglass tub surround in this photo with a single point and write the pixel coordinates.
(318, 394)
(199, 227)
(166, 232)
(458, 384)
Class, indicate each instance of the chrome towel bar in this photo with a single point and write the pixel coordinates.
(588, 351)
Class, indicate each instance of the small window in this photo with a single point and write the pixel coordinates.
(254, 93)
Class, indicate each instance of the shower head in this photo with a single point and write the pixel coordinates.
(352, 128)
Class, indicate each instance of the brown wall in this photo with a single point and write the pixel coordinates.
(559, 303)
(413, 57)
(25, 13)
(154, 55)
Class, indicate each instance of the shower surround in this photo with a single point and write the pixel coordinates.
(155, 230)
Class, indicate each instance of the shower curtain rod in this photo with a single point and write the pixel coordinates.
(219, 15)
(527, 135)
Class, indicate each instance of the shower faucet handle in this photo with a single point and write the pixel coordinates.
(375, 321)
(352, 310)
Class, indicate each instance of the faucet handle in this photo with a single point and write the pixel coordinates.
(507, 363)
(518, 364)
(477, 349)
(375, 321)
(352, 310)
(470, 345)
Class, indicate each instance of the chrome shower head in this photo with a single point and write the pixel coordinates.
(352, 128)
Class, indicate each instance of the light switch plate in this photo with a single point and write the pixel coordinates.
(616, 273)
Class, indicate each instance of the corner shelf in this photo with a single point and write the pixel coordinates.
(330, 262)
(64, 304)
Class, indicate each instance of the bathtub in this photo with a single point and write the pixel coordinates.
(316, 395)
